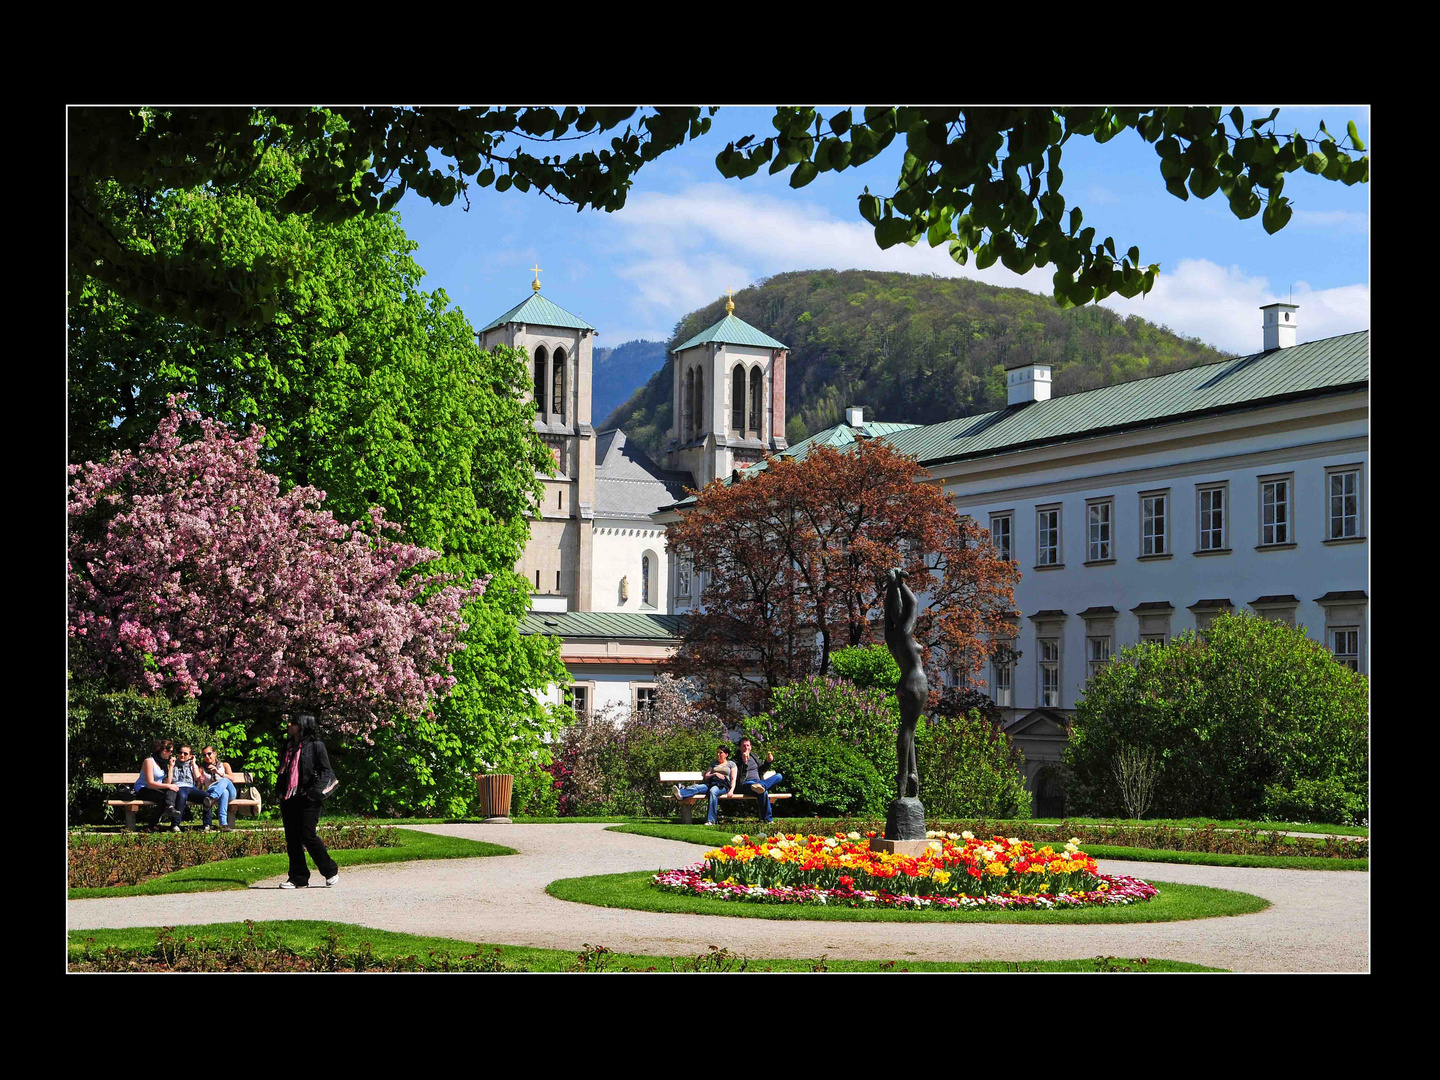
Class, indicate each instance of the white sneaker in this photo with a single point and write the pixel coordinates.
(288, 885)
(330, 881)
(676, 789)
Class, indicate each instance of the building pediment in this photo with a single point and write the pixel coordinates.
(1037, 723)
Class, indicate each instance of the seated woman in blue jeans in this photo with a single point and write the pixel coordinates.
(718, 780)
(218, 782)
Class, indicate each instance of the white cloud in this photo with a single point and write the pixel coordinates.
(1347, 221)
(683, 250)
(1220, 305)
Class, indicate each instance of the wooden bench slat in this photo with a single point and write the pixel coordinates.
(131, 777)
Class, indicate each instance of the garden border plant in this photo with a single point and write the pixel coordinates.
(349, 947)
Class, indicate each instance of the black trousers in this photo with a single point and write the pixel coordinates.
(165, 800)
(301, 816)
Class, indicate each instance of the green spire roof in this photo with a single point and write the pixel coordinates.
(535, 310)
(732, 331)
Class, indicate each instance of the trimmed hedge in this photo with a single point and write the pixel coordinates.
(826, 776)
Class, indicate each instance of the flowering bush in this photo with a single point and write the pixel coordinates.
(956, 871)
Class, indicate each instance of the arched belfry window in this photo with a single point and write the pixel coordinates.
(700, 425)
(737, 400)
(645, 580)
(687, 404)
(540, 381)
(756, 395)
(557, 399)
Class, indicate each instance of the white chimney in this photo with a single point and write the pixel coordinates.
(855, 416)
(1280, 325)
(1028, 383)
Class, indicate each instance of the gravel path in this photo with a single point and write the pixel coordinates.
(1318, 922)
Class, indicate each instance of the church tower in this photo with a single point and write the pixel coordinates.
(560, 350)
(728, 399)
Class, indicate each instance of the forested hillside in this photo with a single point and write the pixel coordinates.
(619, 371)
(916, 348)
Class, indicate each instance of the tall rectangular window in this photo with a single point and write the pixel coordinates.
(644, 698)
(1344, 500)
(1003, 682)
(1098, 649)
(1001, 535)
(1047, 537)
(1097, 530)
(1345, 644)
(580, 700)
(1154, 524)
(1212, 517)
(1050, 672)
(1275, 511)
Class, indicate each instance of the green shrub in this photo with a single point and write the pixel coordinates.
(968, 767)
(535, 794)
(648, 753)
(828, 777)
(863, 718)
(1325, 801)
(867, 666)
(1251, 705)
(111, 732)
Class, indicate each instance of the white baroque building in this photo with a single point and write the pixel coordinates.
(1138, 511)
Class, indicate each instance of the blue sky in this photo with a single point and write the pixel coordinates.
(686, 234)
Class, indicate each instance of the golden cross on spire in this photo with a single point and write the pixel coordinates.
(730, 303)
(536, 283)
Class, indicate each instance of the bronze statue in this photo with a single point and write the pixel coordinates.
(906, 820)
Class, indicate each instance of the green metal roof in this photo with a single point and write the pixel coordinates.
(1316, 367)
(732, 331)
(535, 310)
(601, 624)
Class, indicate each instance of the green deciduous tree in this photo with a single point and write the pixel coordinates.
(376, 392)
(1250, 705)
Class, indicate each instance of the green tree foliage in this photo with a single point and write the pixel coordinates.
(969, 768)
(376, 392)
(917, 349)
(988, 181)
(1249, 713)
(351, 161)
(981, 180)
(866, 719)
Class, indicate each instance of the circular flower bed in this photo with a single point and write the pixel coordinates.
(957, 870)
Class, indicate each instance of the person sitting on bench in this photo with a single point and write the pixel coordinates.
(154, 786)
(718, 780)
(219, 783)
(748, 765)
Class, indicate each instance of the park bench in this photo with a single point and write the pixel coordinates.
(131, 805)
(687, 805)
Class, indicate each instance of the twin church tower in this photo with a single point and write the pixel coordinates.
(595, 522)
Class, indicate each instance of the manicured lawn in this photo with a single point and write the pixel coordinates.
(242, 873)
(705, 834)
(306, 935)
(634, 891)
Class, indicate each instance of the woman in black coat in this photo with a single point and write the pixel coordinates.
(305, 779)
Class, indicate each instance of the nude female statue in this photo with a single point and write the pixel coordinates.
(901, 611)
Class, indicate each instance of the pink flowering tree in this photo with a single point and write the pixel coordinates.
(191, 575)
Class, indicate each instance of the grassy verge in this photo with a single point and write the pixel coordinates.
(705, 834)
(242, 873)
(635, 892)
(307, 935)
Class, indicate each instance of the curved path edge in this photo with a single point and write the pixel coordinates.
(1318, 920)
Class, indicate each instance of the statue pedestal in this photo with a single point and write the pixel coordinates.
(905, 820)
(912, 848)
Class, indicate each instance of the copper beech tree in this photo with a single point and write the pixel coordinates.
(796, 554)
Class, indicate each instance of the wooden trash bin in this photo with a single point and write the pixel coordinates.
(495, 792)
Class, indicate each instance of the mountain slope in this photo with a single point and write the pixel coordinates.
(619, 371)
(916, 348)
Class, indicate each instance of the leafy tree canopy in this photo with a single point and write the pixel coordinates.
(985, 181)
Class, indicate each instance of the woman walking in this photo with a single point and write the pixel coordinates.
(305, 779)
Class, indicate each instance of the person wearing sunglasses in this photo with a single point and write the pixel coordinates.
(154, 784)
(219, 784)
